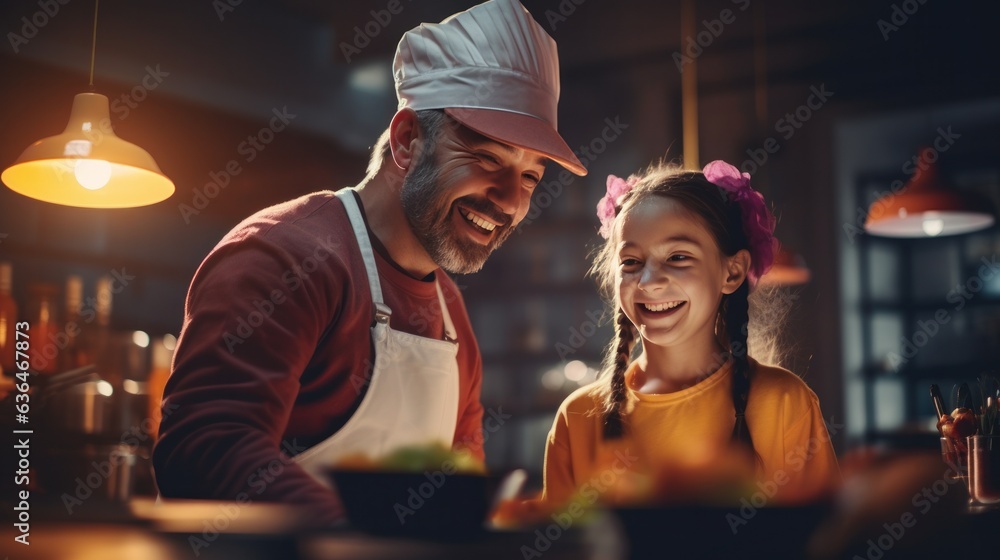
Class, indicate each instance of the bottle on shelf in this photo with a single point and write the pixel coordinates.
(73, 355)
(45, 328)
(163, 352)
(8, 318)
(101, 340)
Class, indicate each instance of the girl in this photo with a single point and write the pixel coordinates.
(684, 250)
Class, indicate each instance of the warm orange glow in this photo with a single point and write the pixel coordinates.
(88, 165)
(54, 181)
(789, 269)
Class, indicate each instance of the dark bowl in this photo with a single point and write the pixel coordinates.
(431, 504)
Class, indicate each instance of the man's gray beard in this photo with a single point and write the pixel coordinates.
(426, 209)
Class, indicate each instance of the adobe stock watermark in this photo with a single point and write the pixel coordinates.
(292, 279)
(914, 166)
(960, 295)
(578, 336)
(900, 14)
(249, 149)
(364, 34)
(229, 512)
(713, 28)
(225, 7)
(32, 24)
(547, 192)
(420, 321)
(562, 12)
(787, 126)
(102, 471)
(797, 458)
(418, 497)
(923, 501)
(588, 495)
(122, 106)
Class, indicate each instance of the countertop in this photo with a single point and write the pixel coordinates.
(141, 529)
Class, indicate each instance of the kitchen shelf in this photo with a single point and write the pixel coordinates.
(142, 268)
(932, 306)
(966, 371)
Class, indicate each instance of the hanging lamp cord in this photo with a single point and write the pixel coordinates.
(93, 47)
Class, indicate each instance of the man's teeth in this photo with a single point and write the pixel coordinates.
(662, 306)
(479, 221)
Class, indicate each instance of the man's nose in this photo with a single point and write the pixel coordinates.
(506, 192)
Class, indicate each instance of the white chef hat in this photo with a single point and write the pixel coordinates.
(493, 69)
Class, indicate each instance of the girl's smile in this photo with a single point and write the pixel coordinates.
(671, 274)
(665, 308)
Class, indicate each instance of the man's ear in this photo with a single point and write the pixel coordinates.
(404, 137)
(736, 271)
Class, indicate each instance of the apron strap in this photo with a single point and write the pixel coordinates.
(449, 327)
(382, 311)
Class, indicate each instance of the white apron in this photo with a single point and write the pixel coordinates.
(412, 394)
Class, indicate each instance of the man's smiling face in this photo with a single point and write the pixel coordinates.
(465, 196)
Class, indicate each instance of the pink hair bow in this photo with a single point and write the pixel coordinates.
(758, 222)
(607, 206)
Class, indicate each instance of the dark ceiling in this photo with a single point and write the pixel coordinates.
(228, 64)
(245, 57)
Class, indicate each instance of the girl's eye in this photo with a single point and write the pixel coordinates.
(629, 263)
(679, 258)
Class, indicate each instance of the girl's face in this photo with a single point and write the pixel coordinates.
(671, 274)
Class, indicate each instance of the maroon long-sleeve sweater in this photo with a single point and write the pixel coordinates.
(275, 352)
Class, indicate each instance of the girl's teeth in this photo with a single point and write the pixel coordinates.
(479, 221)
(662, 306)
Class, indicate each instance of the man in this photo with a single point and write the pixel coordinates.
(324, 326)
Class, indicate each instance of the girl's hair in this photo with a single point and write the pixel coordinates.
(722, 216)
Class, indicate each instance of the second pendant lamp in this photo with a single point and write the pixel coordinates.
(927, 208)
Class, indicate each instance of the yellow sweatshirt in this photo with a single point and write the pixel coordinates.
(686, 428)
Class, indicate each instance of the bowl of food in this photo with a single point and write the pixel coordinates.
(423, 490)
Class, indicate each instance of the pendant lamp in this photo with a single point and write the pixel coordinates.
(789, 269)
(927, 208)
(88, 165)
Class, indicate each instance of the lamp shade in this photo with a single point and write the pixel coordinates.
(789, 269)
(925, 208)
(88, 165)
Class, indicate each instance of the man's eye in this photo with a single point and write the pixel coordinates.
(532, 180)
(490, 158)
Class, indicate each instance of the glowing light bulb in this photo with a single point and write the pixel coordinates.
(575, 370)
(92, 174)
(140, 338)
(933, 226)
(105, 388)
(553, 379)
